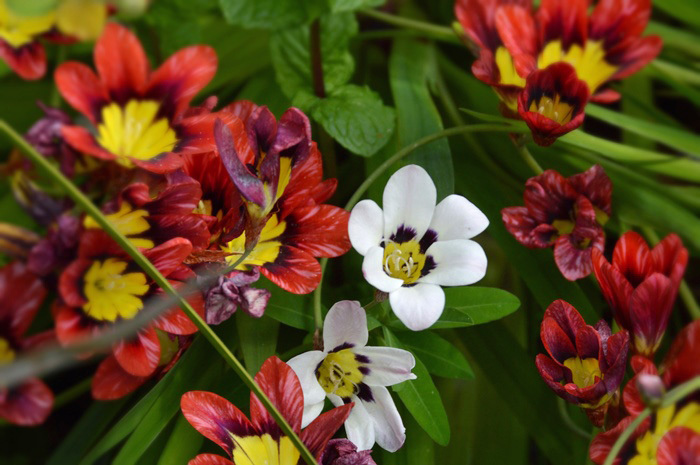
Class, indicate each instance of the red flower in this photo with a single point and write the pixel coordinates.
(139, 115)
(21, 295)
(148, 221)
(103, 285)
(585, 364)
(552, 102)
(254, 440)
(284, 206)
(641, 286)
(673, 432)
(567, 213)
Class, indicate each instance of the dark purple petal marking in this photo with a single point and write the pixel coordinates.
(429, 265)
(344, 345)
(427, 240)
(403, 234)
(365, 393)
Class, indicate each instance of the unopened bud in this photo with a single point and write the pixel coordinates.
(651, 388)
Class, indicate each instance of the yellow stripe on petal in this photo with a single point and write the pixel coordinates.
(589, 61)
(7, 355)
(666, 419)
(129, 222)
(263, 450)
(506, 68)
(111, 293)
(266, 250)
(83, 19)
(20, 30)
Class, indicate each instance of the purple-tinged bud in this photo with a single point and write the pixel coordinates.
(58, 248)
(651, 388)
(223, 299)
(344, 452)
(43, 208)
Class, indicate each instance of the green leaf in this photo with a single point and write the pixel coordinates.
(290, 309)
(338, 6)
(410, 67)
(440, 356)
(422, 399)
(270, 14)
(356, 118)
(183, 442)
(683, 10)
(258, 338)
(31, 8)
(291, 57)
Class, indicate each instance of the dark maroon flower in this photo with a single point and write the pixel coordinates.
(234, 291)
(567, 214)
(586, 364)
(344, 452)
(641, 286)
(552, 102)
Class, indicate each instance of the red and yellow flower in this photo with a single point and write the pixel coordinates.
(586, 364)
(565, 213)
(103, 285)
(259, 440)
(641, 286)
(139, 116)
(21, 295)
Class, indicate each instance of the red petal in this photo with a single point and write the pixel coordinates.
(209, 459)
(614, 286)
(320, 230)
(112, 382)
(83, 141)
(588, 344)
(517, 30)
(169, 255)
(650, 307)
(520, 224)
(175, 321)
(71, 280)
(630, 395)
(606, 96)
(139, 356)
(241, 108)
(215, 418)
(121, 63)
(681, 362)
(81, 88)
(178, 197)
(565, 21)
(614, 20)
(556, 341)
(72, 326)
(281, 385)
(96, 244)
(670, 258)
(477, 17)
(566, 316)
(632, 258)
(574, 262)
(307, 174)
(635, 55)
(164, 163)
(196, 134)
(28, 61)
(27, 405)
(680, 446)
(181, 77)
(316, 436)
(595, 185)
(552, 373)
(191, 227)
(294, 271)
(21, 294)
(603, 442)
(549, 196)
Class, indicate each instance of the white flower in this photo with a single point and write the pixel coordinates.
(348, 371)
(413, 247)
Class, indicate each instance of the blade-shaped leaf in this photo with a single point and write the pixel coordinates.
(441, 358)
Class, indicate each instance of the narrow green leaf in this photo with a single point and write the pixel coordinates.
(290, 309)
(338, 6)
(440, 356)
(258, 339)
(410, 66)
(270, 14)
(183, 444)
(422, 399)
(683, 10)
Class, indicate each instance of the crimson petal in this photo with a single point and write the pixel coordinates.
(111, 381)
(28, 404)
(139, 356)
(316, 436)
(121, 63)
(281, 385)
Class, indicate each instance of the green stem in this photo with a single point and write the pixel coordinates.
(433, 31)
(91, 209)
(671, 397)
(528, 158)
(318, 313)
(569, 422)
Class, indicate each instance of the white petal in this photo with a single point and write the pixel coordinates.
(346, 323)
(373, 271)
(409, 200)
(388, 365)
(419, 306)
(457, 218)
(304, 366)
(457, 263)
(311, 412)
(366, 226)
(388, 427)
(359, 426)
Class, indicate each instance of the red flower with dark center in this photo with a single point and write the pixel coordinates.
(585, 365)
(672, 433)
(149, 220)
(641, 286)
(293, 224)
(552, 102)
(567, 213)
(139, 115)
(257, 439)
(21, 295)
(103, 285)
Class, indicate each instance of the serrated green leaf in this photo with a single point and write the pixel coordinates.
(356, 118)
(271, 14)
(440, 356)
(258, 339)
(422, 399)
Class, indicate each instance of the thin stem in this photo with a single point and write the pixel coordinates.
(72, 393)
(433, 31)
(671, 397)
(569, 422)
(316, 58)
(91, 209)
(529, 159)
(424, 141)
(318, 312)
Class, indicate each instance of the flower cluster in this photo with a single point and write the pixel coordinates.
(546, 64)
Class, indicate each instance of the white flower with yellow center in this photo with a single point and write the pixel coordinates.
(413, 247)
(348, 371)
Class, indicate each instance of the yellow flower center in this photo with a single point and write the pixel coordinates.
(133, 131)
(263, 450)
(340, 374)
(584, 371)
(129, 222)
(20, 30)
(266, 250)
(666, 419)
(7, 354)
(111, 293)
(404, 261)
(553, 108)
(589, 61)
